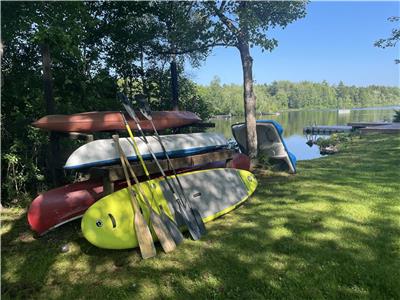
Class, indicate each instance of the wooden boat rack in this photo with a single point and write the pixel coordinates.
(111, 174)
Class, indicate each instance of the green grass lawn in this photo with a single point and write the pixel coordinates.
(331, 231)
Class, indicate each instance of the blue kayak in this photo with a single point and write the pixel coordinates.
(269, 140)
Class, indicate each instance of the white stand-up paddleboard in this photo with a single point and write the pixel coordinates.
(103, 152)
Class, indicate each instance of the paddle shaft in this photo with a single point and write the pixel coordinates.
(167, 242)
(172, 227)
(148, 116)
(192, 226)
(143, 234)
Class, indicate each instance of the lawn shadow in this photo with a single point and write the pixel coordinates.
(287, 241)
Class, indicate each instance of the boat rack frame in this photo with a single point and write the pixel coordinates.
(111, 174)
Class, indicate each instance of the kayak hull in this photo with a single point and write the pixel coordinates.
(270, 142)
(103, 152)
(112, 120)
(109, 223)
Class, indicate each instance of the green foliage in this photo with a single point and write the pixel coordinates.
(143, 37)
(393, 39)
(246, 22)
(334, 140)
(286, 95)
(80, 82)
(94, 47)
(396, 117)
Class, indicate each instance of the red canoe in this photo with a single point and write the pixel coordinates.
(112, 120)
(61, 205)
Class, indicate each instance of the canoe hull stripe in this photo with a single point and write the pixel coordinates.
(147, 156)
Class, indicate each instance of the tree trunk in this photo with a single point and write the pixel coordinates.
(174, 84)
(249, 101)
(53, 157)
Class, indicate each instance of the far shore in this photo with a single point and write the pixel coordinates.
(225, 116)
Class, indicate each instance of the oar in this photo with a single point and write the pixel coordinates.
(172, 227)
(166, 241)
(143, 234)
(146, 112)
(185, 212)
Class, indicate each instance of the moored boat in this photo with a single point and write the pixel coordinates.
(269, 140)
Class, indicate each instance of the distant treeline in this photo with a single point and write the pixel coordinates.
(284, 95)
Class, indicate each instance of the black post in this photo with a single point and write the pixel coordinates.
(174, 84)
(53, 159)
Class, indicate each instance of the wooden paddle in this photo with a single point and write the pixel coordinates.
(184, 211)
(143, 234)
(160, 229)
(146, 112)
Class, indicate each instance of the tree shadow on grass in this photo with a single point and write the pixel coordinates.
(23, 256)
(286, 242)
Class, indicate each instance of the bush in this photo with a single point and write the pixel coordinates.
(396, 117)
(334, 140)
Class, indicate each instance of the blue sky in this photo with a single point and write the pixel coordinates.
(333, 42)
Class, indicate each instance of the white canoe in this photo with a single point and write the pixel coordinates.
(103, 152)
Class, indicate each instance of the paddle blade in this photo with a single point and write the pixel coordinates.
(144, 106)
(127, 105)
(166, 241)
(190, 222)
(172, 227)
(143, 234)
(122, 98)
(199, 221)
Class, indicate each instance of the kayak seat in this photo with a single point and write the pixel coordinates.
(273, 150)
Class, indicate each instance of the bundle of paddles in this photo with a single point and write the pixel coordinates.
(143, 188)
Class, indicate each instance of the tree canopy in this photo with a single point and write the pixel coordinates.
(393, 39)
(95, 47)
(98, 48)
(286, 95)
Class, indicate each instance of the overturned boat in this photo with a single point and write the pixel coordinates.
(103, 152)
(270, 142)
(95, 121)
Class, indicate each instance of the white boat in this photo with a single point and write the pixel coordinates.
(269, 140)
(103, 152)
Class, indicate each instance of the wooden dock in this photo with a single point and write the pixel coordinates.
(358, 125)
(391, 128)
(363, 127)
(326, 130)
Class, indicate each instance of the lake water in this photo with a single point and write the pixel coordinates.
(293, 123)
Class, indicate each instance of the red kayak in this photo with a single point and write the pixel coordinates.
(112, 120)
(61, 205)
